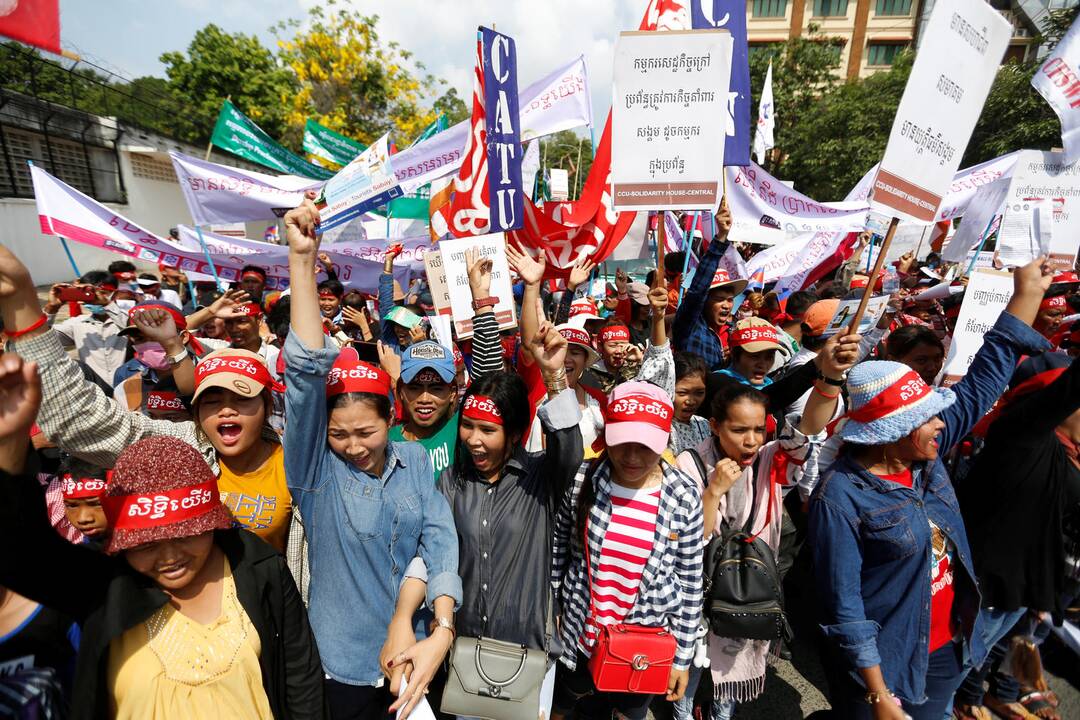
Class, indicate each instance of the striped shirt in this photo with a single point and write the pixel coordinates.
(624, 552)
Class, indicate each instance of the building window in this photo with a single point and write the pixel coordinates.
(830, 8)
(88, 168)
(149, 168)
(883, 54)
(893, 7)
(767, 49)
(770, 8)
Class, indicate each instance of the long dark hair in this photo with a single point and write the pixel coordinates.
(511, 397)
(731, 393)
(379, 403)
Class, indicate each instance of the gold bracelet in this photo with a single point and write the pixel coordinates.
(875, 696)
(556, 382)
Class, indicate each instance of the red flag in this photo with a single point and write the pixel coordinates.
(34, 22)
(469, 211)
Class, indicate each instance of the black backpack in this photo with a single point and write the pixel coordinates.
(741, 583)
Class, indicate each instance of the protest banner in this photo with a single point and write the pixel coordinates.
(1048, 176)
(1058, 81)
(530, 166)
(730, 15)
(559, 101)
(436, 277)
(669, 119)
(457, 281)
(983, 208)
(324, 143)
(820, 252)
(220, 194)
(236, 133)
(988, 292)
(503, 139)
(765, 211)
(764, 139)
(363, 184)
(845, 312)
(957, 61)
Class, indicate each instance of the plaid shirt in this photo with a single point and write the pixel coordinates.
(689, 330)
(670, 592)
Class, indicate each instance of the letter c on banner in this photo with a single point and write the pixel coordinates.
(500, 47)
(707, 8)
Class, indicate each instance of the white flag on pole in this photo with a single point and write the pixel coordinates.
(1058, 81)
(766, 122)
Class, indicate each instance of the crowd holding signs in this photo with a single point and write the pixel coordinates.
(426, 456)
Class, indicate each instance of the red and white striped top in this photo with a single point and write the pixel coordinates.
(627, 545)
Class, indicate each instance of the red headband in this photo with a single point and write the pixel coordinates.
(161, 400)
(237, 365)
(582, 308)
(640, 408)
(754, 333)
(178, 319)
(1051, 303)
(327, 294)
(253, 274)
(481, 407)
(905, 391)
(248, 309)
(165, 507)
(615, 333)
(352, 376)
(75, 488)
(576, 335)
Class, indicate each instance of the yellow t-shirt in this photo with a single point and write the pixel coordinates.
(172, 666)
(260, 500)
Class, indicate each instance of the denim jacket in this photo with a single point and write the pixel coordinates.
(871, 538)
(362, 530)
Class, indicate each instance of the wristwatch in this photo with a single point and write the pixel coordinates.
(490, 301)
(178, 357)
(835, 382)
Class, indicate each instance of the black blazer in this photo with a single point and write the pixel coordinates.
(107, 598)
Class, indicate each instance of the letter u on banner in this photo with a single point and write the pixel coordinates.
(503, 131)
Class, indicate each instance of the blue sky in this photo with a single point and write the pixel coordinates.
(129, 36)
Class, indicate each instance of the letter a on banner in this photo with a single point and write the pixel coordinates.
(503, 126)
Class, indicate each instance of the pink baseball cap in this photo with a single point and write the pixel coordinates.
(638, 412)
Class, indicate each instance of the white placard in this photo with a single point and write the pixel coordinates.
(983, 208)
(457, 281)
(1058, 82)
(988, 292)
(875, 306)
(669, 119)
(1045, 176)
(436, 277)
(1025, 232)
(559, 184)
(957, 62)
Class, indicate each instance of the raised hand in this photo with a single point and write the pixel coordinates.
(723, 219)
(479, 269)
(156, 325)
(301, 226)
(20, 398)
(389, 361)
(580, 272)
(548, 348)
(1035, 277)
(839, 355)
(622, 281)
(227, 305)
(658, 297)
(528, 268)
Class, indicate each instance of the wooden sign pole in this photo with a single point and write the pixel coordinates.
(873, 276)
(661, 240)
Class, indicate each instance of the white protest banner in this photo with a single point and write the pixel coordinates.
(230, 229)
(530, 166)
(988, 292)
(774, 261)
(436, 277)
(956, 64)
(457, 280)
(983, 208)
(842, 318)
(669, 119)
(765, 211)
(813, 249)
(221, 194)
(558, 184)
(1046, 176)
(1058, 81)
(557, 102)
(365, 183)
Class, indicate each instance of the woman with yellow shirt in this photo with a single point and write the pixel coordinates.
(185, 614)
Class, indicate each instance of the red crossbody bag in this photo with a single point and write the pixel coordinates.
(628, 658)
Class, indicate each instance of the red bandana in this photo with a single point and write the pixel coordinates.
(137, 512)
(327, 295)
(577, 336)
(483, 408)
(75, 488)
(754, 333)
(1051, 303)
(253, 274)
(237, 365)
(615, 333)
(909, 389)
(582, 308)
(248, 309)
(162, 401)
(349, 376)
(640, 408)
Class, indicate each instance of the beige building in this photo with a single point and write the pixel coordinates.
(873, 31)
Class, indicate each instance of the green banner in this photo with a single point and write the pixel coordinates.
(236, 133)
(324, 143)
(440, 124)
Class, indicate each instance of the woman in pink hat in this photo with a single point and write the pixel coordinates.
(628, 540)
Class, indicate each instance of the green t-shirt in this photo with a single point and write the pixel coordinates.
(440, 446)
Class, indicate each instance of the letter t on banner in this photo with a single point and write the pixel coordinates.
(503, 131)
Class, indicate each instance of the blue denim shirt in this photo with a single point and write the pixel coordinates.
(362, 530)
(871, 538)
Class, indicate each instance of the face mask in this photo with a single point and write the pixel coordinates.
(152, 355)
(93, 309)
(124, 305)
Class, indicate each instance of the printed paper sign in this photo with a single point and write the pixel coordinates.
(957, 62)
(436, 277)
(1046, 176)
(365, 183)
(457, 281)
(669, 119)
(988, 292)
(1026, 232)
(846, 311)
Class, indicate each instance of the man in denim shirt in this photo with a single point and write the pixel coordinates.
(886, 511)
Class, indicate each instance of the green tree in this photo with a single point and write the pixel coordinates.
(452, 106)
(570, 152)
(218, 65)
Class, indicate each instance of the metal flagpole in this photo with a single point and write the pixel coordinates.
(209, 260)
(688, 243)
(69, 256)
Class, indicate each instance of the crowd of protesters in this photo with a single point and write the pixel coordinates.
(233, 503)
